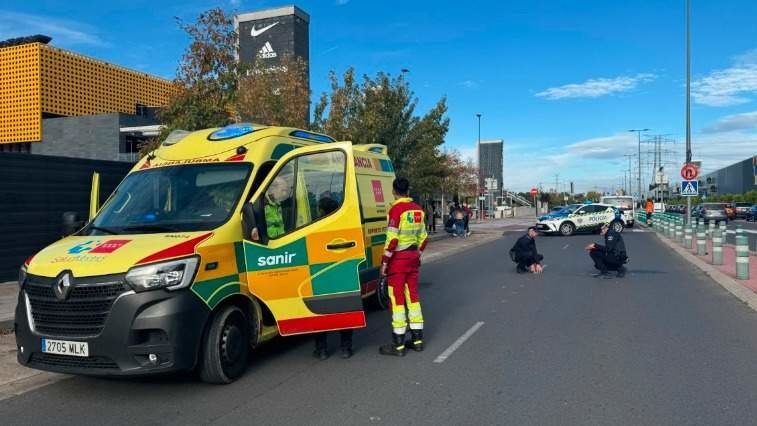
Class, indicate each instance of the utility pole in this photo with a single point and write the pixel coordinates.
(688, 99)
(629, 156)
(638, 181)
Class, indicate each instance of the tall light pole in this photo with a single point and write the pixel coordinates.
(638, 179)
(688, 99)
(478, 181)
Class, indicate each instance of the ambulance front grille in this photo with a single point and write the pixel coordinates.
(82, 314)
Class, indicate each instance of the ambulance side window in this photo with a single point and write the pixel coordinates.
(306, 189)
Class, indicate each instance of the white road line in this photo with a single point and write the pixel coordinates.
(459, 342)
(566, 246)
(748, 231)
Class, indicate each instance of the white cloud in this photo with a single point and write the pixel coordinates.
(718, 150)
(730, 123)
(64, 32)
(468, 84)
(729, 86)
(235, 3)
(596, 87)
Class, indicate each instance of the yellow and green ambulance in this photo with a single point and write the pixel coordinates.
(214, 243)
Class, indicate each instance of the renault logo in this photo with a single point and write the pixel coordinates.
(62, 286)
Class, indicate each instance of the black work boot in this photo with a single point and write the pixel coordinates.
(346, 337)
(416, 340)
(621, 271)
(396, 348)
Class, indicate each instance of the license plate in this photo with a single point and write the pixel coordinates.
(65, 347)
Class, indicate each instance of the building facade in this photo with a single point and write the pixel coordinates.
(39, 82)
(737, 178)
(490, 164)
(268, 35)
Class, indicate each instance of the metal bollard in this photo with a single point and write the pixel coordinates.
(679, 231)
(710, 228)
(687, 236)
(723, 227)
(739, 231)
(701, 240)
(717, 247)
(742, 257)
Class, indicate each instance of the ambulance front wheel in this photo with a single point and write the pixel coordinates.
(225, 348)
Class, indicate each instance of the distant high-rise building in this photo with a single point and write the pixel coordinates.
(269, 34)
(490, 164)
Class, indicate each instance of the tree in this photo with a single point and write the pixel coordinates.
(276, 96)
(382, 110)
(207, 76)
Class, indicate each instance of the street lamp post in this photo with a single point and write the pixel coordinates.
(638, 180)
(478, 181)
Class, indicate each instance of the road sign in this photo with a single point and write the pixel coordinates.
(689, 188)
(689, 171)
(482, 198)
(534, 191)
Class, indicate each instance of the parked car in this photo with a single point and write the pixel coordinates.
(751, 214)
(741, 209)
(729, 211)
(696, 211)
(713, 212)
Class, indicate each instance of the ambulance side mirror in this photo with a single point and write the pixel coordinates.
(71, 223)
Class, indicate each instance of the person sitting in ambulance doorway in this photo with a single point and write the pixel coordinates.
(611, 256)
(277, 208)
(327, 205)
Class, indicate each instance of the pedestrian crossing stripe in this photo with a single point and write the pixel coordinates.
(689, 188)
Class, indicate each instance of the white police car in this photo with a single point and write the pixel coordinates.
(581, 218)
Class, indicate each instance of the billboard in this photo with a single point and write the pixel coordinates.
(268, 35)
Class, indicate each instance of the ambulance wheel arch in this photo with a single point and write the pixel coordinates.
(306, 272)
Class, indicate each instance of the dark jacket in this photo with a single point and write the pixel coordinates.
(525, 248)
(614, 246)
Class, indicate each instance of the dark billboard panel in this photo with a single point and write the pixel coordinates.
(270, 34)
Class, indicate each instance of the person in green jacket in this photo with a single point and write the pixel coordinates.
(279, 194)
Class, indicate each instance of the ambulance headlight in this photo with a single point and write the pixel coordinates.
(171, 275)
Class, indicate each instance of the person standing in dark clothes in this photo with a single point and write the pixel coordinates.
(525, 254)
(611, 256)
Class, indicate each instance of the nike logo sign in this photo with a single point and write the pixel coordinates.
(256, 33)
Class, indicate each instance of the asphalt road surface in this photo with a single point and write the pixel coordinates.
(665, 345)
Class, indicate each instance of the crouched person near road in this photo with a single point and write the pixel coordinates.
(525, 255)
(611, 256)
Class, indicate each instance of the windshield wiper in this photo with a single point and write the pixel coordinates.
(154, 228)
(106, 230)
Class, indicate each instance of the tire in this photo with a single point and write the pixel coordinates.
(617, 226)
(567, 229)
(225, 347)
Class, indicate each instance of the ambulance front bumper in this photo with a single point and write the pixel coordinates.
(126, 333)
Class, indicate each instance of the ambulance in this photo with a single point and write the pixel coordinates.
(213, 244)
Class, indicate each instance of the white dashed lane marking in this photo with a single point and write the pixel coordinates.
(459, 342)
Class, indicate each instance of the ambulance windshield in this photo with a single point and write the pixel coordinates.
(172, 199)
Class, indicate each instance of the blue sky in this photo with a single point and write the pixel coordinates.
(560, 81)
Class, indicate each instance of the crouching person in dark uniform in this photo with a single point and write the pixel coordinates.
(611, 256)
(525, 255)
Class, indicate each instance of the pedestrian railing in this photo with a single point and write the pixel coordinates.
(697, 236)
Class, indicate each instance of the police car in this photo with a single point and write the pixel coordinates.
(581, 218)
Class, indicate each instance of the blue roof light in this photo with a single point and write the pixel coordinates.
(312, 136)
(231, 131)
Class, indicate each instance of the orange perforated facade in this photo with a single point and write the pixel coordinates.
(36, 79)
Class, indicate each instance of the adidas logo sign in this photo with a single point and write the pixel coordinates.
(267, 51)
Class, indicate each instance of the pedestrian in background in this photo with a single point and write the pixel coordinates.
(431, 217)
(649, 209)
(468, 215)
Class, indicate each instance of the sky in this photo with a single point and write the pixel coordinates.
(561, 82)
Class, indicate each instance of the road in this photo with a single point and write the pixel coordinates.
(665, 345)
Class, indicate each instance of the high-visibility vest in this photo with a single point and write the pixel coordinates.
(406, 227)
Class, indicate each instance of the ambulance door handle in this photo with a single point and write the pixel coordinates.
(341, 246)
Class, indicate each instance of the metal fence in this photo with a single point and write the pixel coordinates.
(34, 193)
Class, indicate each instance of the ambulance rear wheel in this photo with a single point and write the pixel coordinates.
(226, 347)
(567, 229)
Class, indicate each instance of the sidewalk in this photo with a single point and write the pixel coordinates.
(725, 274)
(8, 297)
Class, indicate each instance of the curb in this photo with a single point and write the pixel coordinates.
(742, 293)
(6, 325)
